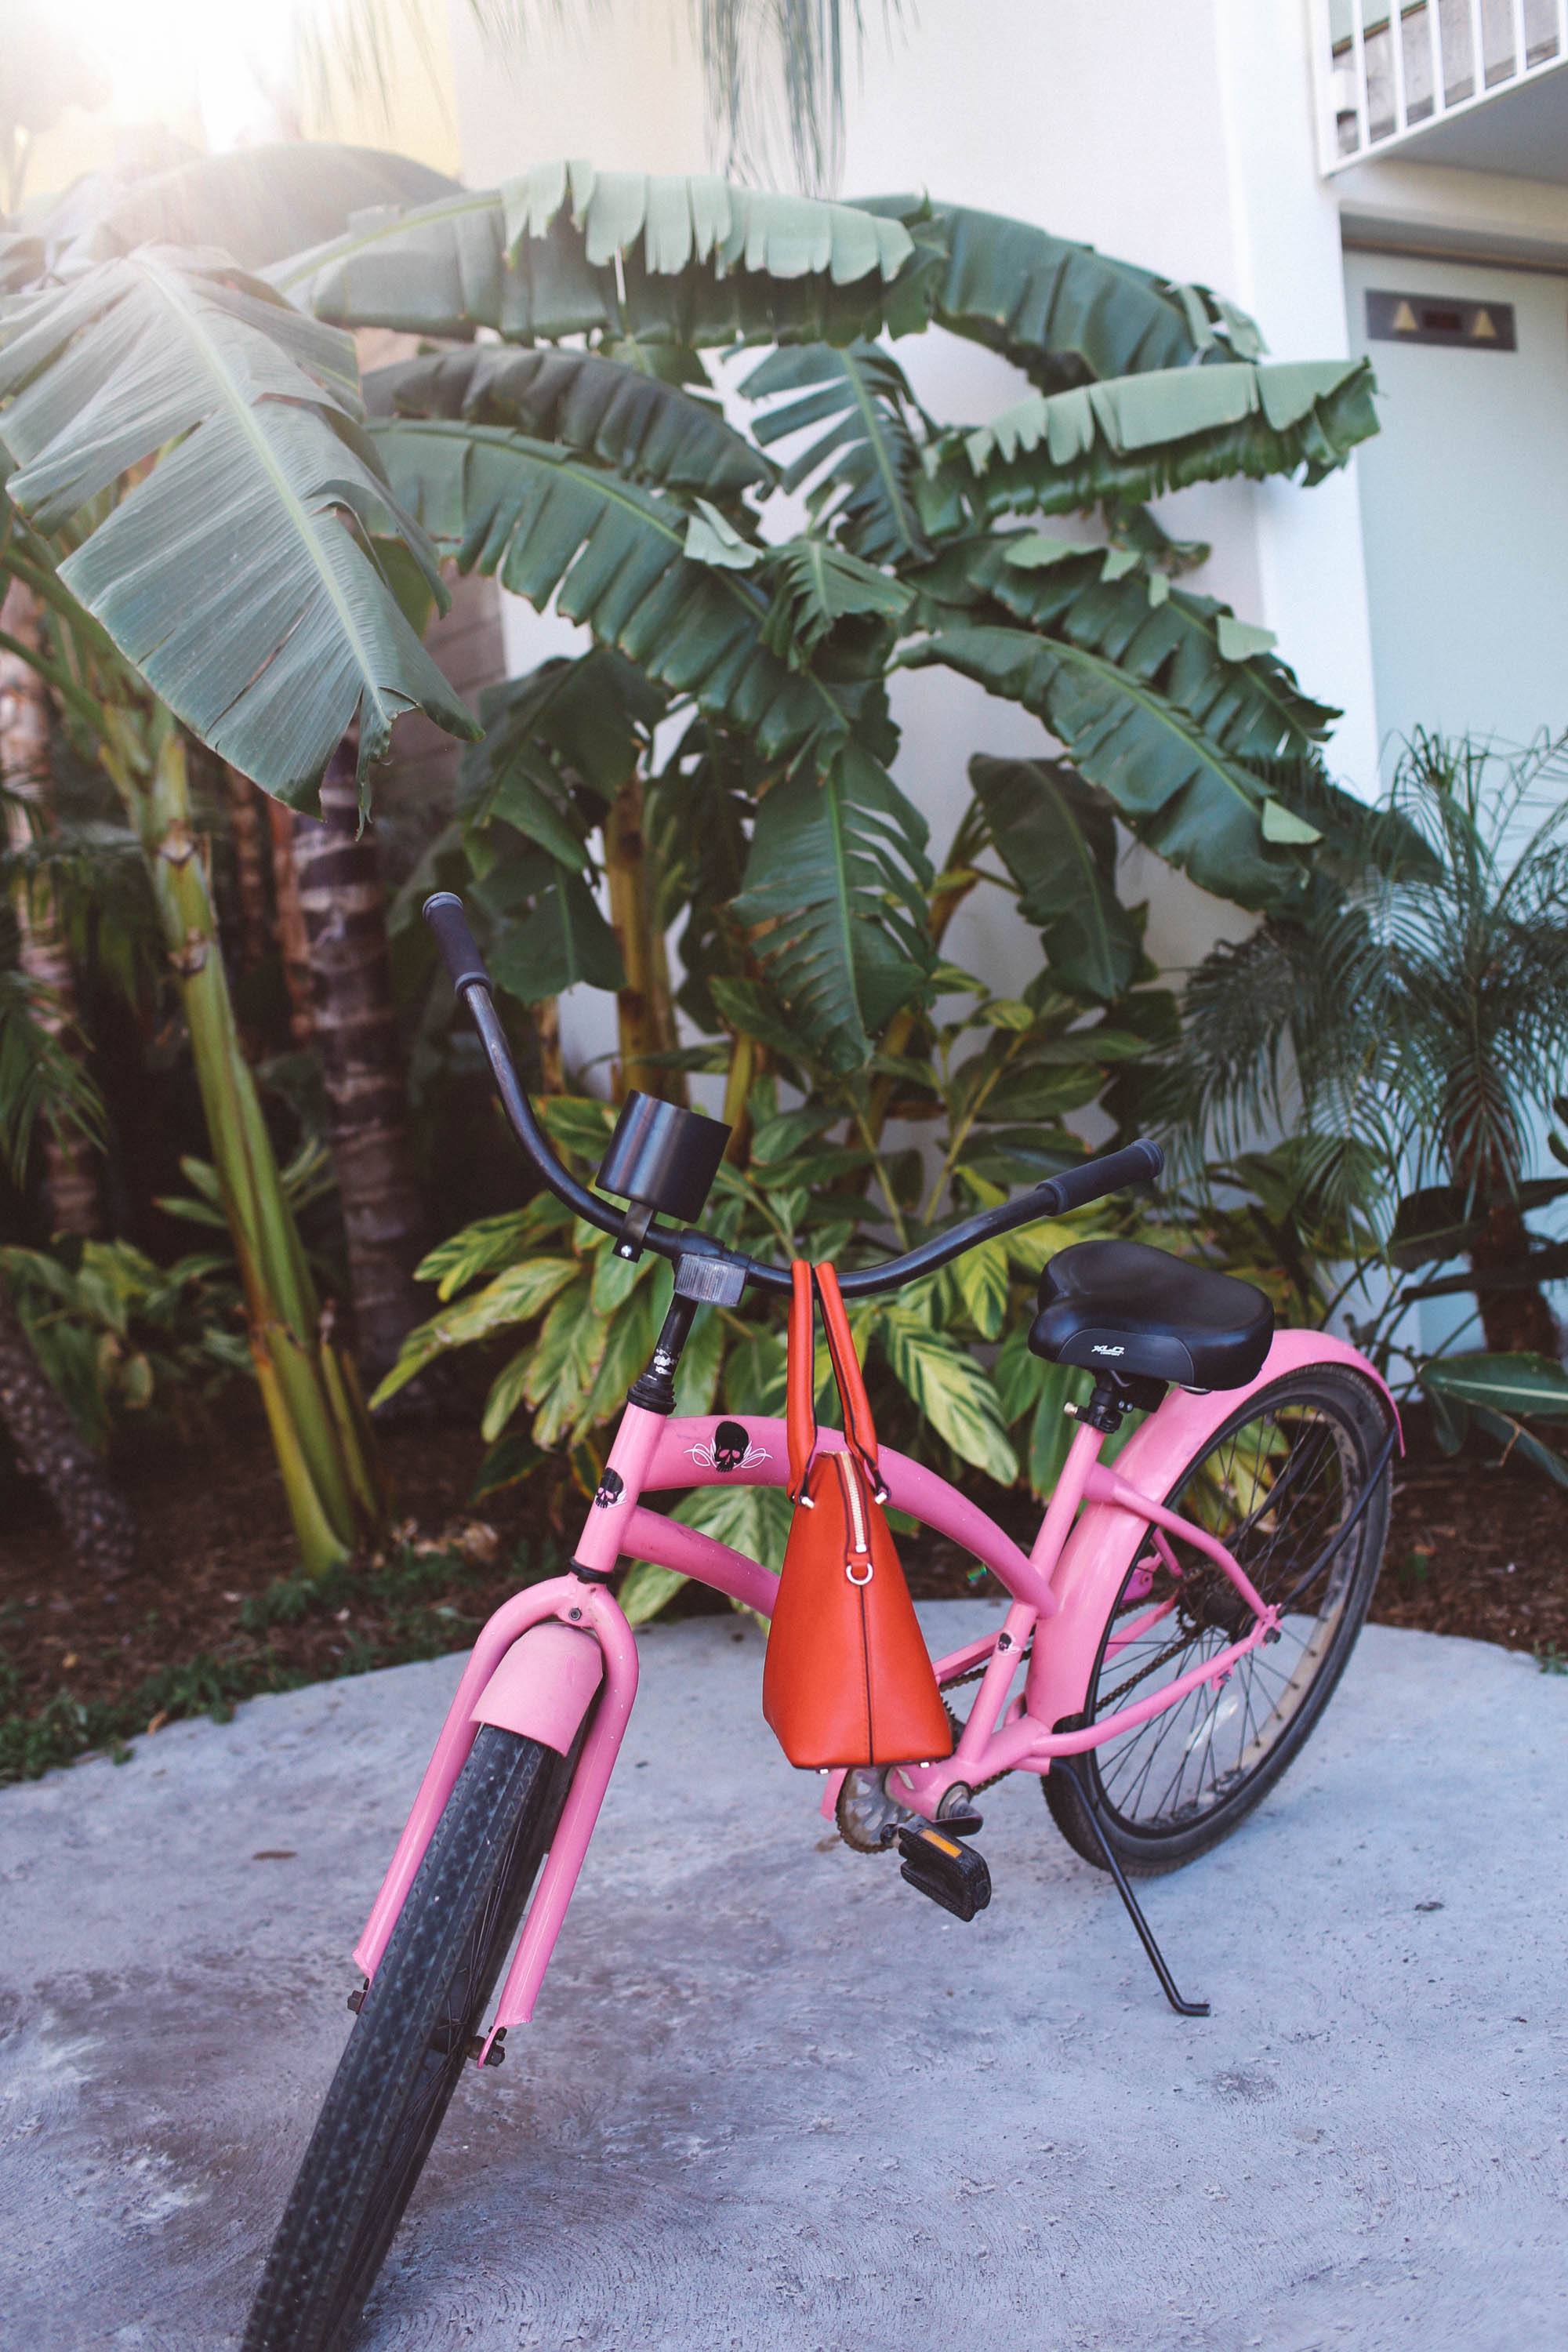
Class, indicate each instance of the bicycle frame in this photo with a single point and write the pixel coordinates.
(1062, 1594)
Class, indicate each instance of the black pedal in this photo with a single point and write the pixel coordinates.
(953, 1875)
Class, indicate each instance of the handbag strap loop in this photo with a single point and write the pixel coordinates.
(806, 1285)
(800, 1379)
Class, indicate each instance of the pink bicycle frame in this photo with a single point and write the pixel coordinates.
(525, 1673)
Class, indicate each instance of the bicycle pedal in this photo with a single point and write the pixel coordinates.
(953, 1875)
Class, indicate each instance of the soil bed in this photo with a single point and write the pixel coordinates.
(216, 1610)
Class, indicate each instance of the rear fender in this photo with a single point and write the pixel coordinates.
(544, 1685)
(1106, 1539)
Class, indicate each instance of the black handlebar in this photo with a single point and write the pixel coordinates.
(1136, 1164)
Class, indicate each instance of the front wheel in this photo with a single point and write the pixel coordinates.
(1279, 1481)
(409, 2044)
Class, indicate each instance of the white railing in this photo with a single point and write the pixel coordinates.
(1388, 69)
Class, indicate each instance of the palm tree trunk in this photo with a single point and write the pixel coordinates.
(645, 1008)
(293, 948)
(70, 1186)
(326, 1447)
(343, 900)
(51, 1448)
(245, 825)
(1510, 1319)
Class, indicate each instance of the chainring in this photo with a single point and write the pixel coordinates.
(867, 1818)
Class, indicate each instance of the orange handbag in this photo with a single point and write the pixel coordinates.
(847, 1679)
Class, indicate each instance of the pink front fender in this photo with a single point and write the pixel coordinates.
(544, 1685)
(1105, 1541)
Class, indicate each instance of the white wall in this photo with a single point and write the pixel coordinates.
(1178, 133)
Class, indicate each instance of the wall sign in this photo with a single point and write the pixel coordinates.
(1434, 319)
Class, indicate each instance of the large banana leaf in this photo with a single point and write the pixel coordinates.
(1143, 434)
(1056, 836)
(258, 203)
(866, 493)
(238, 575)
(652, 431)
(1189, 800)
(1062, 312)
(1495, 1391)
(611, 554)
(1217, 669)
(835, 886)
(567, 250)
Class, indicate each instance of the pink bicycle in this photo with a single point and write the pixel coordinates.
(1174, 1633)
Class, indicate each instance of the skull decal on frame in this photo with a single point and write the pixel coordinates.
(731, 1449)
(612, 1486)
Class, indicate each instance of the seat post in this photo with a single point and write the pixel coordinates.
(1115, 1395)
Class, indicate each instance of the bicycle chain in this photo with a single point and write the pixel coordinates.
(974, 1674)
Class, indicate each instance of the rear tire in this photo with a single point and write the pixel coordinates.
(1273, 1484)
(408, 2045)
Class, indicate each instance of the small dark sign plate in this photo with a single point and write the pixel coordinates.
(1435, 318)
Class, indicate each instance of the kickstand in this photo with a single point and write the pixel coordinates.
(1145, 1933)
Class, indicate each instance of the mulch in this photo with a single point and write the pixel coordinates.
(216, 1607)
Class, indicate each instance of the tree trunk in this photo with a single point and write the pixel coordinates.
(547, 1034)
(645, 1008)
(70, 1185)
(293, 948)
(1510, 1319)
(344, 903)
(324, 1445)
(51, 1448)
(245, 825)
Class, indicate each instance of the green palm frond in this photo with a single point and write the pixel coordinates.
(1144, 435)
(253, 410)
(868, 459)
(566, 250)
(1061, 312)
(653, 431)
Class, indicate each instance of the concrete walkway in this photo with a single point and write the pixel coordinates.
(774, 2098)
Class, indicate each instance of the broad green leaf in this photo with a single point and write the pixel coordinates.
(1518, 1440)
(645, 1590)
(752, 1520)
(867, 458)
(631, 1327)
(611, 554)
(565, 1361)
(258, 203)
(1062, 311)
(1532, 1386)
(566, 250)
(563, 939)
(981, 1275)
(1144, 435)
(1177, 789)
(835, 886)
(489, 1242)
(713, 537)
(237, 574)
(1058, 839)
(515, 1296)
(652, 431)
(505, 1395)
(948, 1388)
(1252, 707)
(817, 585)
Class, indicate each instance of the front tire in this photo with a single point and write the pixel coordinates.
(1274, 1484)
(408, 2045)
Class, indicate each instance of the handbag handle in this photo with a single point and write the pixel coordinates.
(800, 1375)
(806, 1283)
(859, 1427)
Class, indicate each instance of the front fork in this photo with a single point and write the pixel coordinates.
(586, 1606)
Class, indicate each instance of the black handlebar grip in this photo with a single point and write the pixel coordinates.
(1137, 1163)
(444, 912)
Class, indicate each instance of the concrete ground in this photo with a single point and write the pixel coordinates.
(776, 2099)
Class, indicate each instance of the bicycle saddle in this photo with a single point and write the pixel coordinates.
(1121, 1307)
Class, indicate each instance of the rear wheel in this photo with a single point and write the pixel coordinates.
(1282, 1478)
(408, 2045)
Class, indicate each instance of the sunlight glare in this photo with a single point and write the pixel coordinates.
(164, 60)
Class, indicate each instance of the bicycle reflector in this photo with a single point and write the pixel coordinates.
(662, 1157)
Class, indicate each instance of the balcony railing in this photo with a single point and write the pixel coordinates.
(1387, 70)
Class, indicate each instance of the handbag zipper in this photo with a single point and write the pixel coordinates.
(853, 1505)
